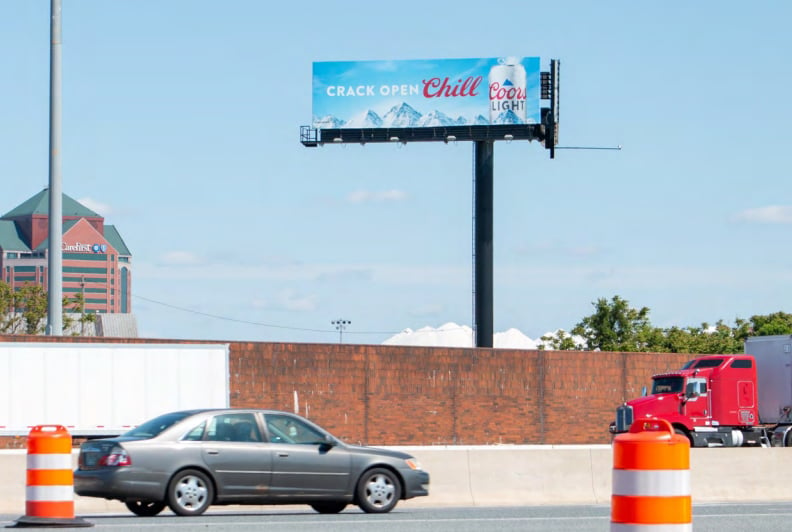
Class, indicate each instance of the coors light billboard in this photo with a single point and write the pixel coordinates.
(426, 93)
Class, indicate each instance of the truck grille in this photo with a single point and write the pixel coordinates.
(624, 418)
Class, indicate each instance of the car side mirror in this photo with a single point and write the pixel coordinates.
(328, 443)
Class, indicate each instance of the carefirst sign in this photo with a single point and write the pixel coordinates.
(84, 248)
(426, 93)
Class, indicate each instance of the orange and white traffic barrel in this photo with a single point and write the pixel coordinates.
(651, 479)
(49, 490)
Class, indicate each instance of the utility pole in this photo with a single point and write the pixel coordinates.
(340, 325)
(82, 305)
(55, 251)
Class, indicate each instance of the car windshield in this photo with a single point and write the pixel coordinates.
(155, 426)
(667, 385)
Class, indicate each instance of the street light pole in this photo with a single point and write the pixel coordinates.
(340, 325)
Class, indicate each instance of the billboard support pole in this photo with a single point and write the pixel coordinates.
(482, 242)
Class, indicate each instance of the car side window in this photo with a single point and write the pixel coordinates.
(195, 434)
(288, 429)
(235, 427)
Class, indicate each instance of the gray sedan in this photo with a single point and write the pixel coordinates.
(192, 459)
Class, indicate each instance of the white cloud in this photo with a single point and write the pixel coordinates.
(181, 258)
(367, 196)
(772, 214)
(99, 208)
(289, 300)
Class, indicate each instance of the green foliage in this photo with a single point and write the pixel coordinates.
(559, 341)
(776, 323)
(9, 320)
(615, 326)
(23, 311)
(73, 306)
(32, 301)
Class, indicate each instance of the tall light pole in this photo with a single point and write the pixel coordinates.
(340, 325)
(55, 253)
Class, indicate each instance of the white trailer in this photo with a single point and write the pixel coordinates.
(103, 389)
(773, 356)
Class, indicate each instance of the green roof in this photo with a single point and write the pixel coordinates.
(39, 204)
(113, 238)
(10, 239)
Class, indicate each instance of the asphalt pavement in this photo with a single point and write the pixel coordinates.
(756, 517)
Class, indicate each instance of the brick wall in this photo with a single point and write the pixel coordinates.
(394, 395)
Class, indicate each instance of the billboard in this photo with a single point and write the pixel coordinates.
(426, 93)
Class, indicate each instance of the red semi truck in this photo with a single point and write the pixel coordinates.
(724, 400)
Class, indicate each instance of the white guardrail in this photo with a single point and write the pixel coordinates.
(518, 475)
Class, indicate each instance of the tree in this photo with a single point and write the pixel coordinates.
(32, 300)
(560, 341)
(615, 326)
(776, 323)
(9, 319)
(76, 305)
(24, 310)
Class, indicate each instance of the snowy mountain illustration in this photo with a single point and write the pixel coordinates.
(403, 115)
(508, 117)
(328, 122)
(437, 118)
(363, 120)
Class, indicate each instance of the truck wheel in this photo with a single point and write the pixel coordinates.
(145, 508)
(378, 491)
(190, 492)
(682, 432)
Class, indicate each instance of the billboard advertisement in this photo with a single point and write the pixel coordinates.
(426, 93)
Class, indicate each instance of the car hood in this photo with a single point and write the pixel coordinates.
(377, 451)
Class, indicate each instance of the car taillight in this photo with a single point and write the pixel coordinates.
(117, 457)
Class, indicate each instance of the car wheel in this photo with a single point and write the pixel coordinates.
(190, 492)
(145, 508)
(378, 491)
(330, 507)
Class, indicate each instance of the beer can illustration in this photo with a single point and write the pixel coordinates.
(507, 92)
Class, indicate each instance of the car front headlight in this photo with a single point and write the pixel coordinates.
(412, 463)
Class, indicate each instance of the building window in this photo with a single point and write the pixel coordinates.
(124, 289)
(84, 256)
(73, 269)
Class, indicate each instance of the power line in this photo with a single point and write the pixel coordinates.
(257, 323)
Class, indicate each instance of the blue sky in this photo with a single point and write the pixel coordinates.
(181, 126)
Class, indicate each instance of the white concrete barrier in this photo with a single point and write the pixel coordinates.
(507, 475)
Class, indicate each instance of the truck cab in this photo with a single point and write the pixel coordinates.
(712, 400)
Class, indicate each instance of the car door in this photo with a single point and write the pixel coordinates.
(304, 465)
(237, 455)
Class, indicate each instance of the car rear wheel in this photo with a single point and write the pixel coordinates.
(145, 508)
(331, 507)
(190, 492)
(378, 491)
